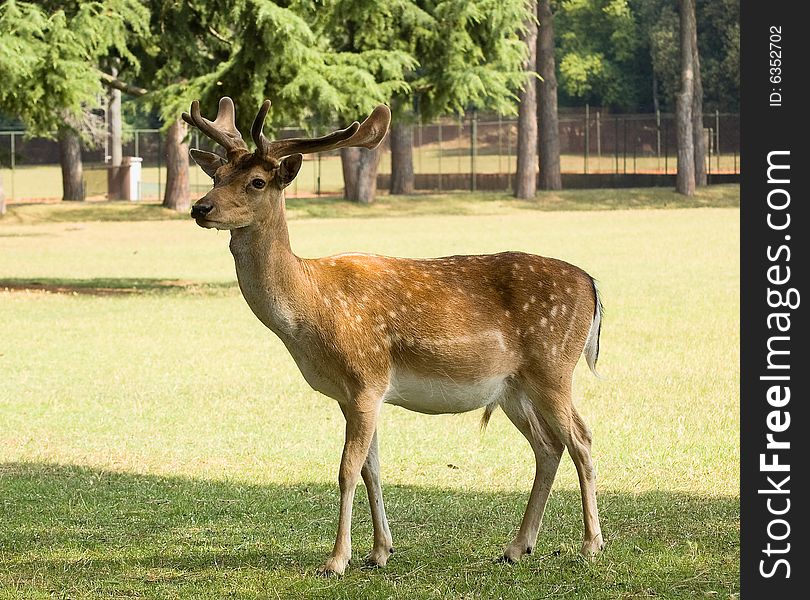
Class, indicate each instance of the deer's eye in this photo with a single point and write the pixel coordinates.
(258, 183)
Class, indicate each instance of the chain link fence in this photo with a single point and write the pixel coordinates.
(472, 152)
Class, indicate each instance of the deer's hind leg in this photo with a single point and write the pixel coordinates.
(383, 547)
(547, 450)
(556, 409)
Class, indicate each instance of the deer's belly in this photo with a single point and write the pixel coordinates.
(432, 394)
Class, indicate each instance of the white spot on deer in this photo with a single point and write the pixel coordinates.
(568, 289)
(531, 268)
(332, 263)
(531, 329)
(358, 318)
(327, 301)
(564, 309)
(554, 311)
(392, 314)
(507, 313)
(532, 299)
(554, 350)
(552, 297)
(543, 322)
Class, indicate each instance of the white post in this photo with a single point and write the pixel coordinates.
(132, 177)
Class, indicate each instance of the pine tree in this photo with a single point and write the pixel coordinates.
(256, 49)
(49, 57)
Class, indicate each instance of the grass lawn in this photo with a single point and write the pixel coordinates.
(157, 441)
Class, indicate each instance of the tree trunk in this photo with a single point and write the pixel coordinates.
(402, 158)
(527, 117)
(178, 195)
(115, 180)
(685, 179)
(349, 159)
(697, 114)
(360, 173)
(70, 158)
(548, 125)
(367, 174)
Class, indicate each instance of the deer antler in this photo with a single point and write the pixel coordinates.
(367, 134)
(222, 129)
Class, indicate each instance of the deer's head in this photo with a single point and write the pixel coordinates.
(248, 185)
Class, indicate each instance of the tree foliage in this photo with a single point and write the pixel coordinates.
(598, 53)
(610, 51)
(49, 56)
(257, 49)
(458, 54)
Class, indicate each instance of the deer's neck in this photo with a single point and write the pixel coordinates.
(271, 277)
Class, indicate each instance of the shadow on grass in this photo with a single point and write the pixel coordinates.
(92, 532)
(108, 286)
(70, 212)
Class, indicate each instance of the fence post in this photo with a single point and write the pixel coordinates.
(13, 165)
(473, 148)
(159, 154)
(509, 159)
(658, 139)
(624, 145)
(616, 144)
(460, 133)
(599, 140)
(421, 149)
(666, 149)
(500, 146)
(717, 134)
(587, 134)
(440, 155)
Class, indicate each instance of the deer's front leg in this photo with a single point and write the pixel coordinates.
(361, 421)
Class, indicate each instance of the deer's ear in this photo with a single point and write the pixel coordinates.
(208, 161)
(289, 169)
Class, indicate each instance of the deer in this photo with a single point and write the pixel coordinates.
(435, 336)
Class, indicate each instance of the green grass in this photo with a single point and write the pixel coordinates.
(459, 203)
(157, 441)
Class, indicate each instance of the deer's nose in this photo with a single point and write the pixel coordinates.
(201, 208)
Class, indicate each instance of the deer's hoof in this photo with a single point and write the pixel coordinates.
(513, 553)
(378, 557)
(591, 548)
(333, 567)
